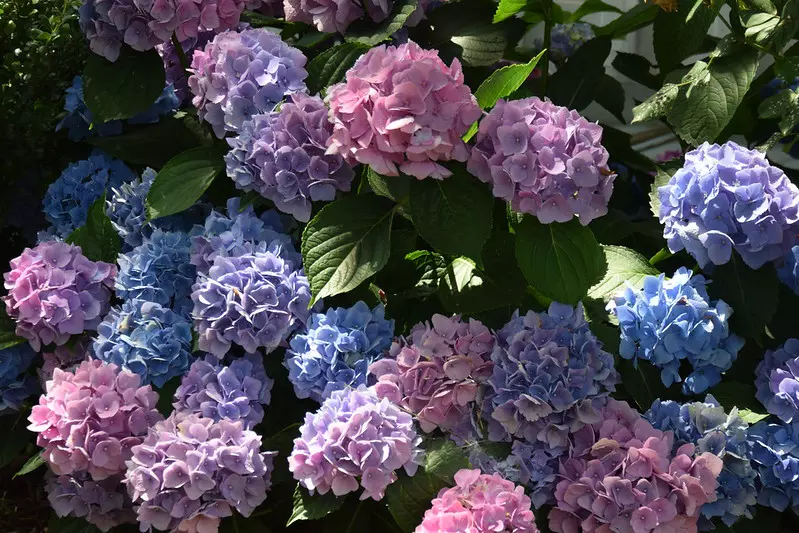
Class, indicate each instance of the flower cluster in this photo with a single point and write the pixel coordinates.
(102, 503)
(241, 74)
(16, 384)
(176, 75)
(436, 372)
(673, 320)
(788, 269)
(125, 207)
(354, 438)
(281, 155)
(402, 107)
(67, 357)
(331, 16)
(190, 471)
(159, 271)
(237, 391)
(479, 503)
(565, 39)
(777, 381)
(544, 159)
(147, 339)
(775, 456)
(54, 292)
(712, 430)
(89, 419)
(68, 199)
(729, 197)
(335, 349)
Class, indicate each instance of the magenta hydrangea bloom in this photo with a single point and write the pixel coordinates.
(479, 503)
(544, 159)
(401, 109)
(104, 503)
(191, 471)
(66, 357)
(354, 440)
(89, 419)
(435, 373)
(54, 292)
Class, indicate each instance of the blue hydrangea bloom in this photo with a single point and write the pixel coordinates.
(673, 320)
(68, 199)
(335, 349)
(15, 383)
(777, 381)
(706, 425)
(565, 39)
(125, 207)
(159, 271)
(147, 339)
(775, 456)
(788, 270)
(79, 121)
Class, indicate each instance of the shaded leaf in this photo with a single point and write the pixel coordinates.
(637, 68)
(623, 266)
(575, 83)
(330, 66)
(656, 105)
(97, 239)
(676, 37)
(183, 180)
(371, 35)
(312, 507)
(633, 19)
(30, 465)
(395, 188)
(592, 6)
(610, 95)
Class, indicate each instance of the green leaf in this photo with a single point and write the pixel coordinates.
(504, 82)
(765, 6)
(643, 383)
(347, 242)
(656, 105)
(732, 394)
(308, 507)
(592, 6)
(480, 45)
(786, 68)
(575, 83)
(453, 214)
(70, 525)
(609, 93)
(124, 88)
(661, 178)
(14, 440)
(623, 266)
(182, 181)
(751, 417)
(98, 239)
(761, 27)
(395, 188)
(30, 465)
(637, 68)
(785, 106)
(402, 9)
(508, 8)
(330, 66)
(634, 19)
(676, 38)
(562, 261)
(166, 395)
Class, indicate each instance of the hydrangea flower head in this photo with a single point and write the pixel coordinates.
(190, 471)
(479, 503)
(236, 391)
(67, 357)
(777, 381)
(332, 16)
(102, 503)
(176, 75)
(729, 197)
(435, 373)
(788, 269)
(15, 382)
(544, 159)
(402, 109)
(55, 292)
(565, 39)
(335, 349)
(673, 320)
(68, 199)
(241, 74)
(89, 419)
(775, 455)
(159, 271)
(281, 155)
(147, 339)
(354, 440)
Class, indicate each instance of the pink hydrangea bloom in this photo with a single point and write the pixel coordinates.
(89, 419)
(479, 503)
(402, 109)
(54, 292)
(436, 372)
(66, 357)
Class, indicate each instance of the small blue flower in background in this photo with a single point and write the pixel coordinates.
(68, 199)
(336, 348)
(15, 383)
(777, 381)
(159, 271)
(788, 271)
(566, 39)
(775, 456)
(673, 320)
(147, 339)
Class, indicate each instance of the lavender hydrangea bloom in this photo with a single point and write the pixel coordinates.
(775, 456)
(146, 339)
(15, 382)
(544, 159)
(68, 199)
(788, 271)
(241, 74)
(175, 73)
(354, 440)
(777, 381)
(724, 435)
(673, 320)
(335, 349)
(104, 503)
(54, 292)
(66, 357)
(191, 471)
(728, 197)
(282, 156)
(159, 271)
(237, 391)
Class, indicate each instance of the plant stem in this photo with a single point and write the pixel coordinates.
(184, 61)
(660, 256)
(547, 43)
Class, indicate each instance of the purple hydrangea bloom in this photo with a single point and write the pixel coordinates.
(777, 381)
(175, 73)
(788, 270)
(237, 391)
(159, 271)
(66, 357)
(354, 440)
(103, 503)
(68, 199)
(335, 16)
(16, 384)
(55, 292)
(775, 456)
(729, 197)
(146, 339)
(673, 320)
(190, 471)
(282, 156)
(241, 74)
(544, 159)
(335, 349)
